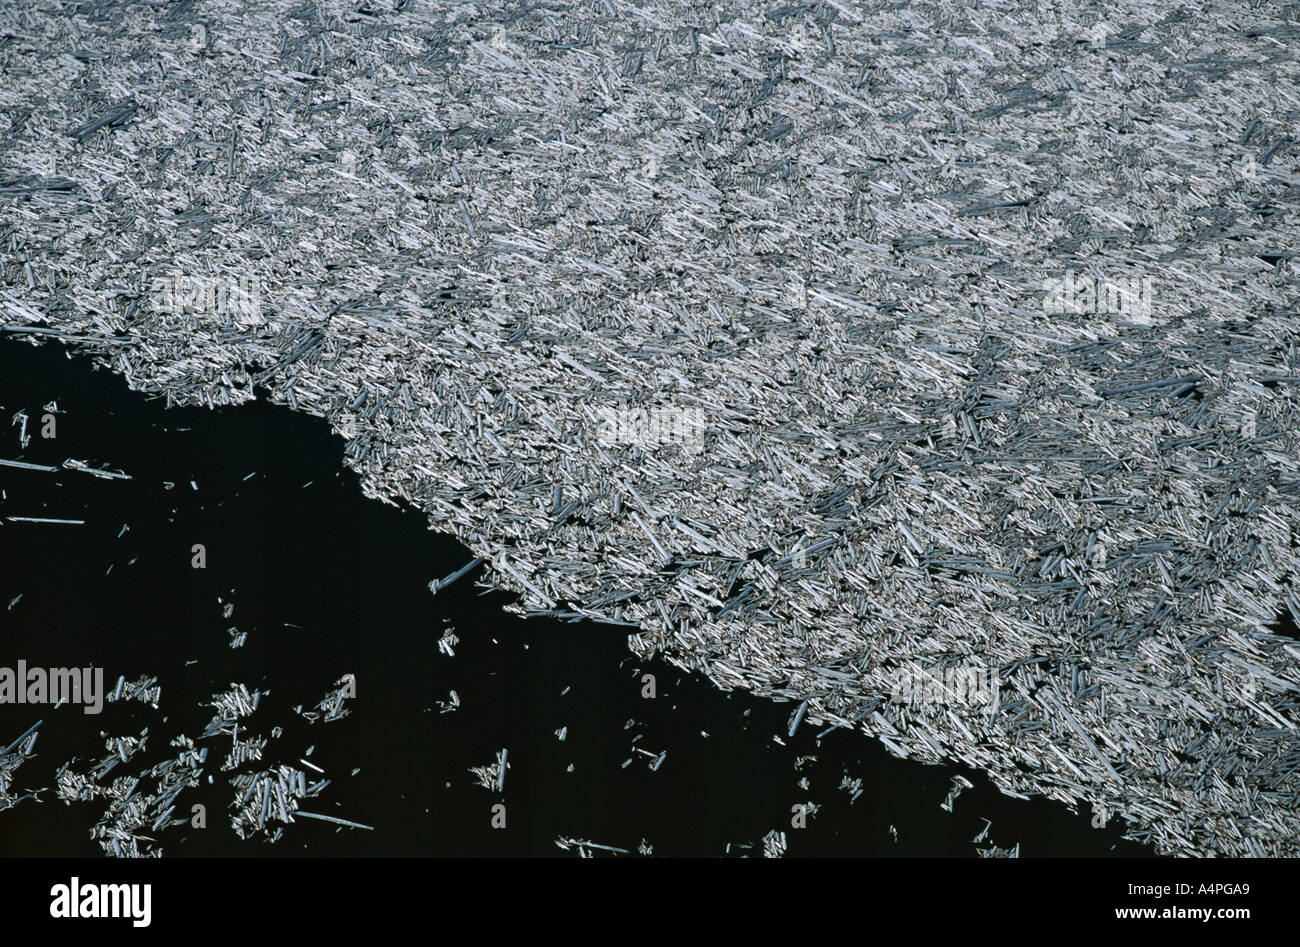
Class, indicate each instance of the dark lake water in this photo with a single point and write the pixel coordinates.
(324, 583)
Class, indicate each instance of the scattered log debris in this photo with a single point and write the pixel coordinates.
(750, 354)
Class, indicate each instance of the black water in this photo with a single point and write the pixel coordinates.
(326, 583)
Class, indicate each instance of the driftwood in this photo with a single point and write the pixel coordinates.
(786, 334)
